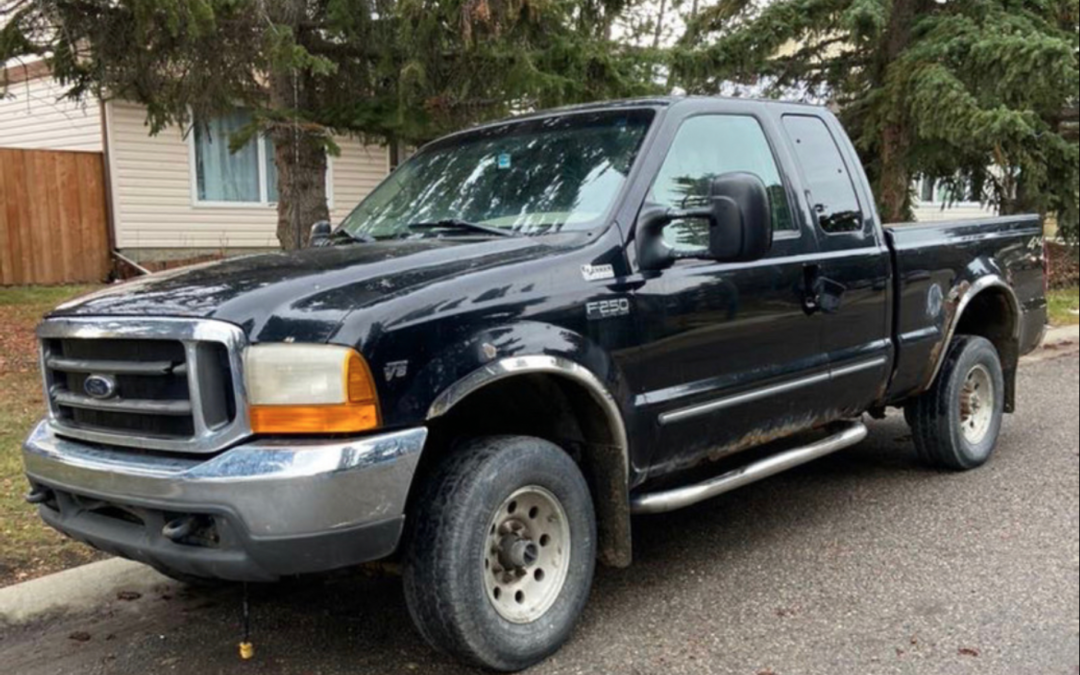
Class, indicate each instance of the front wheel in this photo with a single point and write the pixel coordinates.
(957, 423)
(500, 558)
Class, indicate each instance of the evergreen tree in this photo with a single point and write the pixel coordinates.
(385, 70)
(976, 92)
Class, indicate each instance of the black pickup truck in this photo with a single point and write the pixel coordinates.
(531, 331)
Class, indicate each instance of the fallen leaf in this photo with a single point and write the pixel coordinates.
(967, 651)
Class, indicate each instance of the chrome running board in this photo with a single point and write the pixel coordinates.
(679, 498)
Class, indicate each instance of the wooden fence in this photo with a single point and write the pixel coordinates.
(53, 217)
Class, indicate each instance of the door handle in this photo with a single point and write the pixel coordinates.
(821, 294)
(811, 274)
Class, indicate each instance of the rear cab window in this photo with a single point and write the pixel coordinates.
(828, 178)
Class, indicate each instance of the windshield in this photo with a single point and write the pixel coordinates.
(533, 177)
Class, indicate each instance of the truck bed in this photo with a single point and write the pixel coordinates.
(939, 268)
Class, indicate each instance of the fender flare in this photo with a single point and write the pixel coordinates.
(985, 283)
(614, 508)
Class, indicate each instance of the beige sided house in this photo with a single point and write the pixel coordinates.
(175, 195)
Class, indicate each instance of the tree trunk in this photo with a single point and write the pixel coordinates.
(301, 163)
(894, 180)
(659, 24)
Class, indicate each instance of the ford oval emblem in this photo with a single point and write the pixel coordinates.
(100, 386)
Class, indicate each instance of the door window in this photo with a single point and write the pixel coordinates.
(827, 176)
(706, 148)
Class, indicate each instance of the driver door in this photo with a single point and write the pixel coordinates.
(730, 357)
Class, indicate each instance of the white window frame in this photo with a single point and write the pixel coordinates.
(936, 202)
(264, 188)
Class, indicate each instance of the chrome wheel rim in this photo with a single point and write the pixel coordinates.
(527, 555)
(977, 403)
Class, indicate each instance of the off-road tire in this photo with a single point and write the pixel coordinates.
(937, 417)
(449, 542)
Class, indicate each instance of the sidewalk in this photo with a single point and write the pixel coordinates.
(77, 589)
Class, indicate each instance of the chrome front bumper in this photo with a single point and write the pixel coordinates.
(278, 507)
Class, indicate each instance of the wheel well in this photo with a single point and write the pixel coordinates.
(562, 411)
(992, 315)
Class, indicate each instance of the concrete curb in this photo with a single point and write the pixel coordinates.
(1058, 342)
(81, 588)
(1064, 334)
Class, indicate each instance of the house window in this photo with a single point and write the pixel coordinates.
(948, 193)
(926, 193)
(247, 176)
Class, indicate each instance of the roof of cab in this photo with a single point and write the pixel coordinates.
(655, 102)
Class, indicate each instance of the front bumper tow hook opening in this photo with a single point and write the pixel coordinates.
(38, 496)
(180, 528)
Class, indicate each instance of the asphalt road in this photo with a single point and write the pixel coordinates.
(862, 563)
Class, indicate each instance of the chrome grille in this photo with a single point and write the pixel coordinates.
(156, 384)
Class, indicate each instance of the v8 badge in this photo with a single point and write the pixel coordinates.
(396, 370)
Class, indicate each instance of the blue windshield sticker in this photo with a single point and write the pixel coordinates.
(504, 160)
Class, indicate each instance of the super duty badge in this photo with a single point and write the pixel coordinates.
(607, 309)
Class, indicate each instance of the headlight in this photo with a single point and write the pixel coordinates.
(309, 389)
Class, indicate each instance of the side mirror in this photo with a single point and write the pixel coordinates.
(740, 224)
(320, 234)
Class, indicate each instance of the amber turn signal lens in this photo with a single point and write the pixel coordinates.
(314, 419)
(358, 381)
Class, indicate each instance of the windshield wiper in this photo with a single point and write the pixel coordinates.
(351, 237)
(457, 224)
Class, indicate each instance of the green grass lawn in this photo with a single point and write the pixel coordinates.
(28, 548)
(1062, 305)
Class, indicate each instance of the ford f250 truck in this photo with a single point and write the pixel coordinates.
(529, 332)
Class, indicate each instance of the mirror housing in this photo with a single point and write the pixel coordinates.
(320, 234)
(740, 224)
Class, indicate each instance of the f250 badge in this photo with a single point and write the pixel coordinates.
(607, 309)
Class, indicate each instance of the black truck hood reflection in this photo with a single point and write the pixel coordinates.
(302, 296)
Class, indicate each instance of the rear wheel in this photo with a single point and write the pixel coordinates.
(957, 423)
(500, 559)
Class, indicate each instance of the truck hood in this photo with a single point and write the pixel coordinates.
(302, 296)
